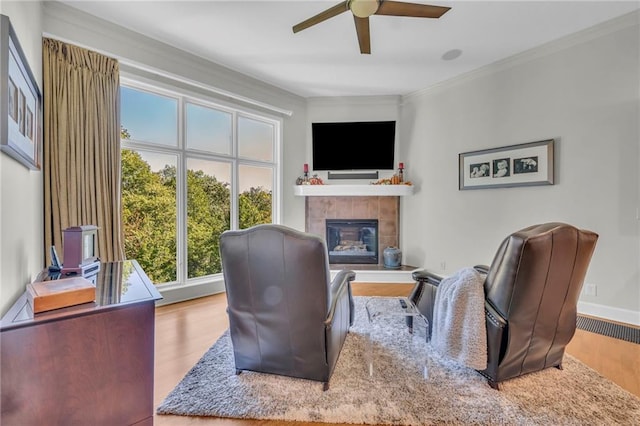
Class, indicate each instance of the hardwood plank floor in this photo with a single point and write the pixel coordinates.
(185, 331)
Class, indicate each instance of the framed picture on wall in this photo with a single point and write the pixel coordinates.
(20, 101)
(526, 164)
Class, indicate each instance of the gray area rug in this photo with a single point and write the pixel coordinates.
(397, 393)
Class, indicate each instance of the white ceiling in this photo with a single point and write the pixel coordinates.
(255, 38)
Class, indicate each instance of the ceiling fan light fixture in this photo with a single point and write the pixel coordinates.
(364, 8)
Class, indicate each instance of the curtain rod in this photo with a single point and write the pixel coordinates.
(206, 87)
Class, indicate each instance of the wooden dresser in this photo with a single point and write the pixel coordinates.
(89, 364)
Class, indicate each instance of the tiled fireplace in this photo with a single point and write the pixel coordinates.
(384, 209)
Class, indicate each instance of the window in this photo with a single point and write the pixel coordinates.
(209, 130)
(150, 117)
(254, 202)
(191, 169)
(208, 213)
(149, 212)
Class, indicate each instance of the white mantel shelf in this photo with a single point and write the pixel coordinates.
(352, 190)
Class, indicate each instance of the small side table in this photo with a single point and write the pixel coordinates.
(388, 321)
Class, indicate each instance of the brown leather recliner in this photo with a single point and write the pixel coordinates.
(531, 295)
(286, 315)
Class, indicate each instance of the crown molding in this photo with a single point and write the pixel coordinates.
(609, 27)
(392, 100)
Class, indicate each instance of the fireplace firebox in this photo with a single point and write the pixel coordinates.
(352, 240)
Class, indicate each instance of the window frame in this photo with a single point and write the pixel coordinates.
(184, 96)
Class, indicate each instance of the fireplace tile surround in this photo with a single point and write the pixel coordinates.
(384, 208)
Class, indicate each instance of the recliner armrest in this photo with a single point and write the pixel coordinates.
(494, 316)
(340, 283)
(425, 276)
(341, 277)
(483, 269)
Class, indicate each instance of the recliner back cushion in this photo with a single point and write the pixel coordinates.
(277, 286)
(534, 282)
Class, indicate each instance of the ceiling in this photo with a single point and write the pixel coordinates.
(256, 38)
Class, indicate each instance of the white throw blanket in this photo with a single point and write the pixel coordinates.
(459, 329)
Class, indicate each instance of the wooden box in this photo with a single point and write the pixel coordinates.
(55, 294)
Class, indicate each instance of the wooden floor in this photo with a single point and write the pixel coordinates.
(185, 331)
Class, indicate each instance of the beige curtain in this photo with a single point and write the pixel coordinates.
(81, 146)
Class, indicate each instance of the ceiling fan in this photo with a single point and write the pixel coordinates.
(362, 9)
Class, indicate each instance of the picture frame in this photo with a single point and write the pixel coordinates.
(526, 164)
(20, 102)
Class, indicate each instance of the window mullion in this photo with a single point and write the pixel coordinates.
(181, 189)
(235, 208)
(276, 215)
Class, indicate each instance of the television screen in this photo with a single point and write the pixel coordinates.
(364, 145)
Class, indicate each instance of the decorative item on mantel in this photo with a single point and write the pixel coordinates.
(306, 180)
(396, 179)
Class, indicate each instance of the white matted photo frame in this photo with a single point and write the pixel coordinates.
(525, 164)
(20, 101)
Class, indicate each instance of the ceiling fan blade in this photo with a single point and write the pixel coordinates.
(364, 39)
(322, 16)
(395, 8)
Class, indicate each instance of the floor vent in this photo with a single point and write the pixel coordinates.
(618, 331)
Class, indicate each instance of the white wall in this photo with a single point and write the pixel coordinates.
(584, 93)
(21, 205)
(327, 109)
(358, 108)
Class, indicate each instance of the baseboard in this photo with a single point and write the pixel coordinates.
(175, 293)
(181, 293)
(626, 316)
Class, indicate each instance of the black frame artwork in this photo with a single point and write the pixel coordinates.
(525, 164)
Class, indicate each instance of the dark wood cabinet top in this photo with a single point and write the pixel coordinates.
(117, 284)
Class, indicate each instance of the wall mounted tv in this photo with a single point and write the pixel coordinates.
(362, 145)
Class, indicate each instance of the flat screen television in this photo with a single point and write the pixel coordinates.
(361, 145)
